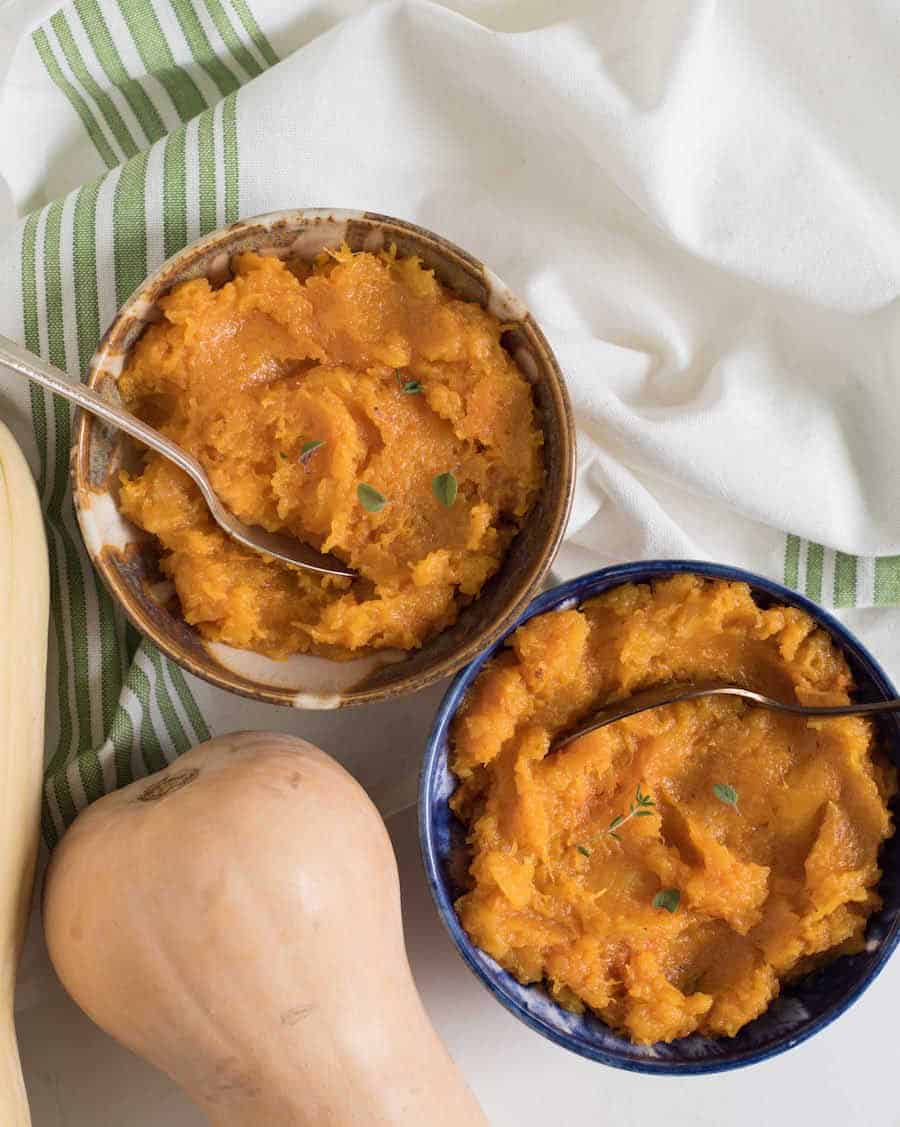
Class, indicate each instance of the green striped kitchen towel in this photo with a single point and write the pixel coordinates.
(727, 324)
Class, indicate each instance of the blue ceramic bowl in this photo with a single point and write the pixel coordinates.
(802, 1009)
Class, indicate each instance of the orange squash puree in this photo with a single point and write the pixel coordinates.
(768, 890)
(284, 355)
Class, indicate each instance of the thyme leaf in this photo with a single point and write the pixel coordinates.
(309, 448)
(727, 794)
(668, 898)
(409, 387)
(445, 488)
(641, 807)
(369, 497)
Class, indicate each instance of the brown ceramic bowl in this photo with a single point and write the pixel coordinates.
(128, 560)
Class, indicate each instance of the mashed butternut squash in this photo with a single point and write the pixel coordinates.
(293, 386)
(763, 889)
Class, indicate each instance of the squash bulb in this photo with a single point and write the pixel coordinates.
(235, 920)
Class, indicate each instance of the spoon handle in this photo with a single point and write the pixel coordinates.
(672, 694)
(660, 695)
(14, 356)
(278, 545)
(867, 708)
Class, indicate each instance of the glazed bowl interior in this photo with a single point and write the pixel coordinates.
(128, 559)
(802, 1009)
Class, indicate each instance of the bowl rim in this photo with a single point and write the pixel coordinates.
(575, 591)
(529, 578)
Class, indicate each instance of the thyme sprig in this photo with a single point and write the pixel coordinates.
(309, 448)
(641, 807)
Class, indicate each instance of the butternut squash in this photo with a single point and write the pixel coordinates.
(235, 920)
(24, 611)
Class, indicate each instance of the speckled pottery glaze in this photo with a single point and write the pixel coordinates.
(126, 556)
(802, 1009)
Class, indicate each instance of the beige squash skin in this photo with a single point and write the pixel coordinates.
(242, 932)
(24, 611)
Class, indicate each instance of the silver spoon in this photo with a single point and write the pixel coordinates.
(661, 695)
(284, 548)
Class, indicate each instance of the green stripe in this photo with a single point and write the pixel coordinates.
(254, 31)
(230, 158)
(89, 764)
(87, 320)
(201, 730)
(121, 732)
(887, 581)
(90, 772)
(84, 254)
(158, 59)
(121, 735)
(56, 346)
(206, 160)
(103, 147)
(174, 194)
(151, 749)
(32, 337)
(56, 766)
(48, 825)
(180, 742)
(231, 39)
(815, 555)
(792, 562)
(113, 118)
(39, 423)
(130, 227)
(201, 49)
(105, 49)
(844, 580)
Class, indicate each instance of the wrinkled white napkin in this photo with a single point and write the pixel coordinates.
(697, 200)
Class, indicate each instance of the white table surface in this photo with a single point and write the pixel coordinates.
(844, 1077)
